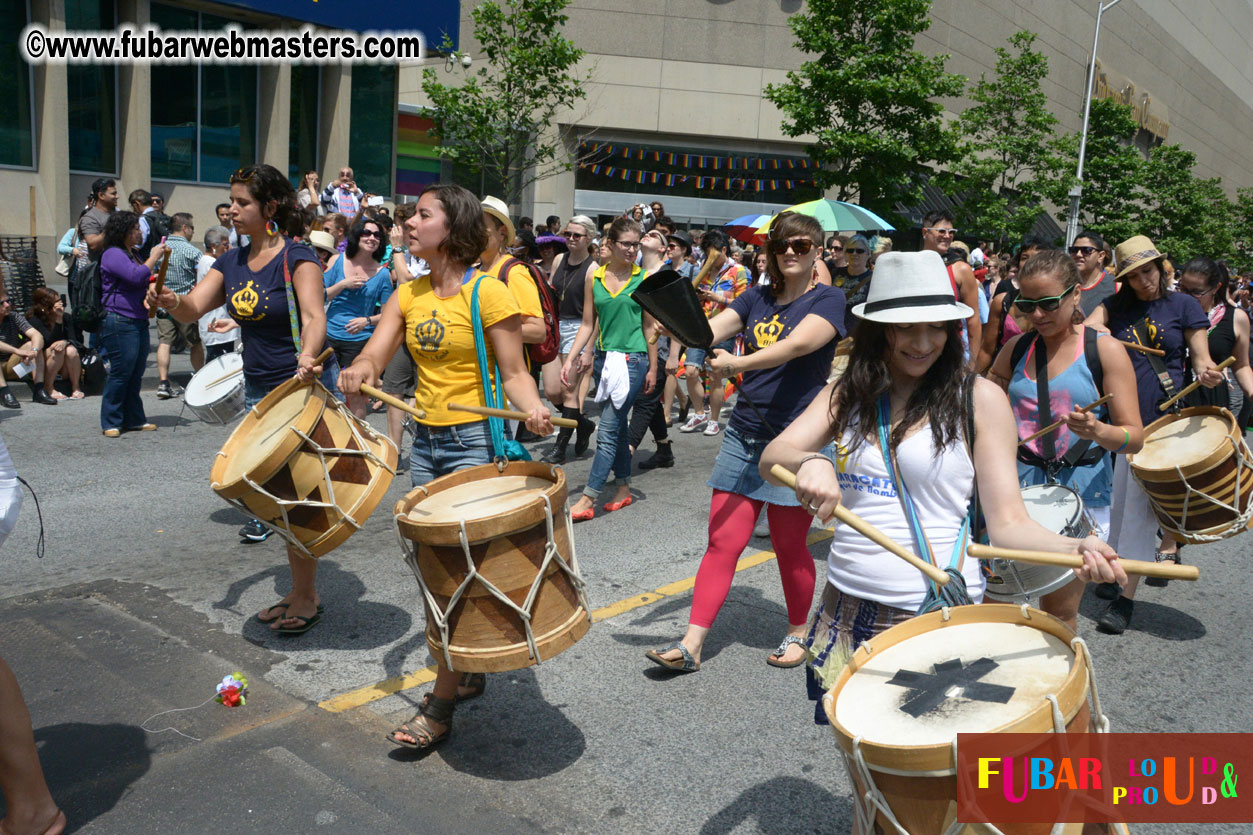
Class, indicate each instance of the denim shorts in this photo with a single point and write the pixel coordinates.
(696, 356)
(735, 470)
(569, 330)
(440, 450)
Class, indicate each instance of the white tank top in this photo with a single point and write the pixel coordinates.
(941, 489)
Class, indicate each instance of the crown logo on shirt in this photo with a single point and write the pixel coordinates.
(768, 333)
(430, 333)
(245, 300)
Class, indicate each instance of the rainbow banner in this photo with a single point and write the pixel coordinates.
(417, 154)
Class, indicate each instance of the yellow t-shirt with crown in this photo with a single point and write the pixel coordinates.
(439, 334)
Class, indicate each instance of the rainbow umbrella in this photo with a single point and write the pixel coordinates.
(745, 228)
(837, 216)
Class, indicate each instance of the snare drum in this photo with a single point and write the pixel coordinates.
(906, 693)
(493, 553)
(215, 393)
(304, 465)
(1060, 510)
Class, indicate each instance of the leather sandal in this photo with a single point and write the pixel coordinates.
(1158, 556)
(435, 709)
(782, 651)
(687, 664)
(476, 682)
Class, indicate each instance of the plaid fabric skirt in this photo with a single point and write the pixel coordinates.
(841, 624)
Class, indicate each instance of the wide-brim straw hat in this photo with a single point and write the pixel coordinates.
(1133, 253)
(321, 240)
(911, 287)
(496, 207)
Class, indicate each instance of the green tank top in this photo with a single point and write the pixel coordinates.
(621, 319)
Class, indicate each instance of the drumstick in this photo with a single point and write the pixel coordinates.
(1144, 349)
(1147, 569)
(392, 401)
(508, 414)
(1191, 387)
(1058, 423)
(869, 531)
(165, 263)
(226, 376)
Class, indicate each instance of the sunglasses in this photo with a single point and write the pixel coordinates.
(856, 251)
(837, 249)
(952, 233)
(367, 233)
(1198, 294)
(243, 175)
(801, 246)
(574, 236)
(1082, 250)
(1047, 304)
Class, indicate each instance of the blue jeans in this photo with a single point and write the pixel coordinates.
(440, 450)
(127, 343)
(612, 451)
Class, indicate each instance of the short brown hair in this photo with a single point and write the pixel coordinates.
(405, 211)
(788, 225)
(467, 231)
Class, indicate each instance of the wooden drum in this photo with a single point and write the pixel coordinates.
(304, 465)
(493, 552)
(1198, 473)
(899, 704)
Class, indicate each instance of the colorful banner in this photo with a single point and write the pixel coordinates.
(701, 183)
(417, 154)
(602, 150)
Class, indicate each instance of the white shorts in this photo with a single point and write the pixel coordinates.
(10, 506)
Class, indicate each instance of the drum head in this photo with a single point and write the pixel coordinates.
(215, 380)
(1052, 505)
(964, 678)
(480, 499)
(266, 428)
(1185, 440)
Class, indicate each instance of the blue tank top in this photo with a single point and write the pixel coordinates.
(1073, 387)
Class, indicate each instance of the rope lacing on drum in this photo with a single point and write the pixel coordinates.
(1100, 722)
(1026, 611)
(1242, 519)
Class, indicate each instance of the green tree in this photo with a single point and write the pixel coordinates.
(499, 121)
(1009, 148)
(868, 97)
(1242, 230)
(1113, 173)
(1183, 214)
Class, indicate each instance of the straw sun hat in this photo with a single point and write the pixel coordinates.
(1134, 252)
(496, 207)
(911, 287)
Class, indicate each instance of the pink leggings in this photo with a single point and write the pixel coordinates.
(731, 521)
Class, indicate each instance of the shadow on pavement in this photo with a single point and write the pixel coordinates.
(90, 767)
(1153, 619)
(777, 804)
(747, 618)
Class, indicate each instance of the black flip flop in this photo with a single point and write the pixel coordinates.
(305, 625)
(283, 606)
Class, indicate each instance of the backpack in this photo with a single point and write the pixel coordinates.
(546, 351)
(86, 304)
(158, 229)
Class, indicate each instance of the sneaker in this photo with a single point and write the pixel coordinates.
(254, 531)
(696, 421)
(713, 428)
(1117, 617)
(164, 390)
(8, 400)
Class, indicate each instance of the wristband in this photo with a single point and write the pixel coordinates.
(1126, 439)
(817, 455)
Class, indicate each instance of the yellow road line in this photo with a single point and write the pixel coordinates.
(389, 687)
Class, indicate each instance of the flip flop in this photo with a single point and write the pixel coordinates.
(78, 395)
(782, 651)
(283, 606)
(305, 625)
(686, 664)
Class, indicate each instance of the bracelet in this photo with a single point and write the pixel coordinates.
(818, 455)
(177, 301)
(1126, 439)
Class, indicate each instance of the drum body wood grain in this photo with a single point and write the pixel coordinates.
(1198, 473)
(305, 466)
(895, 719)
(494, 556)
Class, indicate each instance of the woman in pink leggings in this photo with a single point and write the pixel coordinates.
(790, 332)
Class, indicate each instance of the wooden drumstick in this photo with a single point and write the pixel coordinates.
(226, 376)
(1191, 387)
(392, 401)
(869, 531)
(1147, 569)
(165, 265)
(508, 414)
(1144, 349)
(1058, 423)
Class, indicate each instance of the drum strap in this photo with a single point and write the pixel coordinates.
(503, 449)
(1082, 453)
(1141, 331)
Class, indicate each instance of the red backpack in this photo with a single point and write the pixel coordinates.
(545, 351)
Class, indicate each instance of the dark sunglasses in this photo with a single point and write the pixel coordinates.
(1082, 250)
(801, 246)
(1047, 304)
(837, 249)
(574, 236)
(856, 251)
(366, 233)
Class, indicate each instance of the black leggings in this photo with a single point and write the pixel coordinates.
(647, 414)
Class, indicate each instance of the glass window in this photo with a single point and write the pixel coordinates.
(173, 108)
(306, 96)
(228, 120)
(92, 94)
(372, 126)
(17, 135)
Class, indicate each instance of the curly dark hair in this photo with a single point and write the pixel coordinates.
(42, 305)
(354, 237)
(463, 215)
(117, 227)
(940, 397)
(268, 185)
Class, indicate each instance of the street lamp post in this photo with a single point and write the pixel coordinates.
(1072, 223)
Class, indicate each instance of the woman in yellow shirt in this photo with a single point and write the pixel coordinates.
(432, 315)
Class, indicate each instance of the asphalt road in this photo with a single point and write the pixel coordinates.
(143, 598)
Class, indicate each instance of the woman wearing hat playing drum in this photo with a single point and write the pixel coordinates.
(907, 365)
(1077, 454)
(1144, 311)
(431, 315)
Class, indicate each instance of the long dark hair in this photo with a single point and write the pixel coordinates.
(117, 227)
(1126, 297)
(1215, 273)
(939, 397)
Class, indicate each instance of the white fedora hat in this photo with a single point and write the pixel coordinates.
(911, 287)
(496, 207)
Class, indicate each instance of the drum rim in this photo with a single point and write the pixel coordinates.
(1072, 693)
(265, 469)
(239, 383)
(1212, 458)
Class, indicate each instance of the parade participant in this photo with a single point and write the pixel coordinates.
(790, 329)
(571, 272)
(938, 235)
(907, 388)
(630, 363)
(550, 248)
(646, 413)
(217, 329)
(1146, 312)
(430, 316)
(718, 283)
(1205, 280)
(180, 275)
(1004, 320)
(1097, 283)
(251, 282)
(1081, 369)
(357, 286)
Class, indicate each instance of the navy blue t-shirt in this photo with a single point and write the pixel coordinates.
(258, 302)
(1166, 320)
(783, 392)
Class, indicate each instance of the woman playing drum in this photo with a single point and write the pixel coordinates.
(250, 282)
(1077, 454)
(432, 316)
(1146, 312)
(791, 330)
(907, 359)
